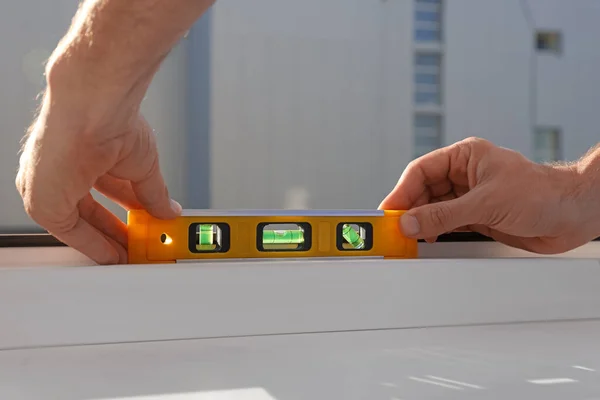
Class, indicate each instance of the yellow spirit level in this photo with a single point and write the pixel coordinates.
(251, 234)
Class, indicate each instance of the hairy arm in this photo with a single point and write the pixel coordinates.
(113, 49)
(590, 163)
(121, 38)
(587, 190)
(90, 133)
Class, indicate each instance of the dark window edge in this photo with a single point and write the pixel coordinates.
(29, 240)
(470, 237)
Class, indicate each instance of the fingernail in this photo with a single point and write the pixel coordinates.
(176, 206)
(410, 225)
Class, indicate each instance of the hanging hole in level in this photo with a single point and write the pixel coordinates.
(166, 239)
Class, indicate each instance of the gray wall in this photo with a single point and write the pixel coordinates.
(313, 100)
(488, 49)
(311, 103)
(28, 33)
(568, 85)
(488, 72)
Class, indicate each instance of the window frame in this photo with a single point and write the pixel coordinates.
(557, 149)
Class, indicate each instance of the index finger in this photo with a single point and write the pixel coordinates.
(429, 169)
(86, 239)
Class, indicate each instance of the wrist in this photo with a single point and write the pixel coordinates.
(582, 195)
(589, 174)
(78, 71)
(85, 99)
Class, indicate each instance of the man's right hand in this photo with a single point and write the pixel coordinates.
(474, 185)
(84, 139)
(90, 134)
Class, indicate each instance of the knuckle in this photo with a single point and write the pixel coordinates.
(476, 143)
(20, 179)
(37, 206)
(19, 184)
(440, 215)
(29, 202)
(411, 166)
(34, 206)
(475, 140)
(33, 209)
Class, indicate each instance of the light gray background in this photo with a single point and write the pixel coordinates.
(312, 101)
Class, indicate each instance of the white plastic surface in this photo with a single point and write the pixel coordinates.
(431, 328)
(556, 361)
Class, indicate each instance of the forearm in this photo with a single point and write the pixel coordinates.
(111, 52)
(590, 162)
(589, 169)
(587, 190)
(121, 38)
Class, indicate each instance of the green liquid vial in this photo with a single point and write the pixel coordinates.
(205, 235)
(352, 237)
(283, 237)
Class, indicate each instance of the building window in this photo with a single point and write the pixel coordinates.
(428, 20)
(547, 144)
(428, 133)
(427, 80)
(548, 41)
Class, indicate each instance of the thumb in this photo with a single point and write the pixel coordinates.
(435, 219)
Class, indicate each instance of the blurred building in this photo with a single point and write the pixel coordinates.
(329, 100)
(322, 103)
